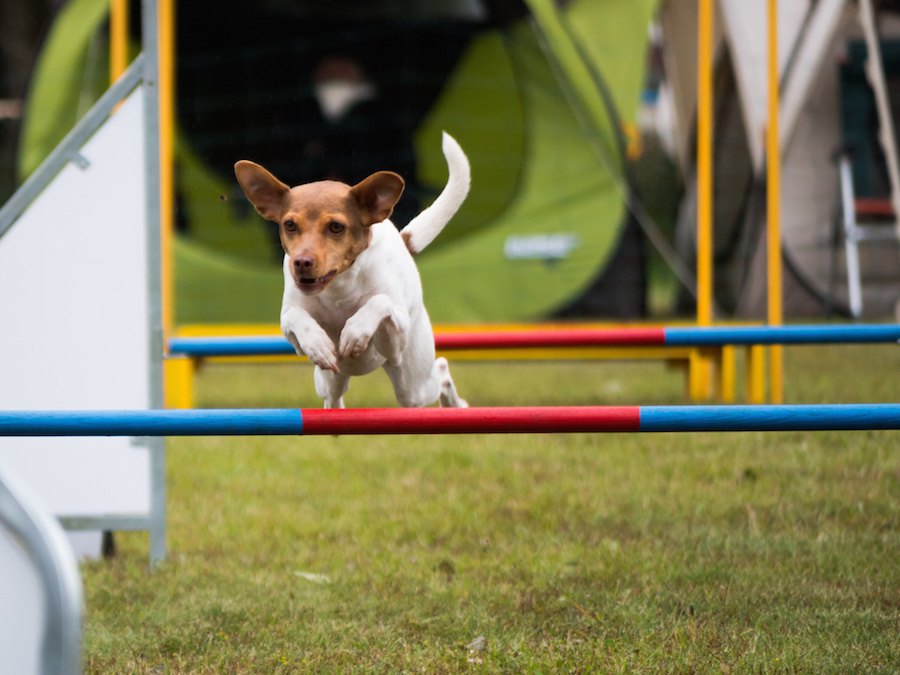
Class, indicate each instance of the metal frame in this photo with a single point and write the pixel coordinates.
(156, 446)
(42, 540)
(69, 148)
(854, 231)
(875, 72)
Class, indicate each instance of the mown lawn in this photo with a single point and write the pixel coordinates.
(762, 552)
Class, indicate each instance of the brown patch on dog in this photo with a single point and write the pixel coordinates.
(323, 226)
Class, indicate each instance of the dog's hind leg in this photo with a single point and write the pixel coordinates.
(449, 397)
(331, 386)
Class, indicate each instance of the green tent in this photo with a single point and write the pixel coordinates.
(533, 95)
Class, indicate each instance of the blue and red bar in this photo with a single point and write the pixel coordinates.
(499, 420)
(202, 347)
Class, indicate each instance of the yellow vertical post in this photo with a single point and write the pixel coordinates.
(179, 382)
(173, 376)
(756, 374)
(166, 9)
(773, 209)
(118, 38)
(700, 369)
(726, 373)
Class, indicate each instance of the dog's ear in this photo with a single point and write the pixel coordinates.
(263, 190)
(377, 196)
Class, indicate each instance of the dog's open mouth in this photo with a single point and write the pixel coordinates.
(312, 285)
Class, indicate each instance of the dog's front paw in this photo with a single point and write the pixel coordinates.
(354, 340)
(319, 349)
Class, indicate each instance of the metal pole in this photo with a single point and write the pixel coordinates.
(773, 220)
(851, 238)
(156, 344)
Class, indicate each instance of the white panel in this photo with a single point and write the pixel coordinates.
(74, 321)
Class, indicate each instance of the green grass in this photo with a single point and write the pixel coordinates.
(587, 553)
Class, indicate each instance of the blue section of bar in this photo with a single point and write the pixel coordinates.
(782, 335)
(771, 418)
(265, 422)
(230, 346)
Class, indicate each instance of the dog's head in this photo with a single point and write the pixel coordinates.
(324, 226)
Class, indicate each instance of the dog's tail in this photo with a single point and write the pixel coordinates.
(422, 229)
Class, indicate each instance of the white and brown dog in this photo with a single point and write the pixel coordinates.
(352, 293)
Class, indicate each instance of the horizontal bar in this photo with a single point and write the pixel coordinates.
(201, 347)
(783, 335)
(499, 420)
(271, 345)
(111, 522)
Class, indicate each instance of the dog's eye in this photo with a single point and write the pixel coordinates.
(335, 227)
(290, 226)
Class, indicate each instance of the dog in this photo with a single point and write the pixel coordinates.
(352, 292)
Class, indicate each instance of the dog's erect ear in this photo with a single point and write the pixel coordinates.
(263, 190)
(377, 196)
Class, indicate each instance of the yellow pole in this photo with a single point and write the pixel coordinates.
(118, 38)
(756, 374)
(773, 208)
(166, 9)
(726, 373)
(700, 367)
(173, 372)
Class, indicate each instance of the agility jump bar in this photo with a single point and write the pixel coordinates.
(488, 420)
(202, 347)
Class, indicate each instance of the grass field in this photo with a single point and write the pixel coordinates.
(558, 553)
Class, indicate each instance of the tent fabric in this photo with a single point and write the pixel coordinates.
(547, 209)
(65, 83)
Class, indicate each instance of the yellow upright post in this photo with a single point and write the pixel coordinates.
(166, 9)
(700, 372)
(726, 373)
(174, 381)
(756, 374)
(180, 373)
(773, 208)
(118, 38)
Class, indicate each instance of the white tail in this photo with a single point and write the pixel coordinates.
(422, 229)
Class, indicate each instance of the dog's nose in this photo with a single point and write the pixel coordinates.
(303, 263)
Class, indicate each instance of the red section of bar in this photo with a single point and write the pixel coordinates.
(555, 337)
(505, 420)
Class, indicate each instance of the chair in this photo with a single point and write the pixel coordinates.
(863, 220)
